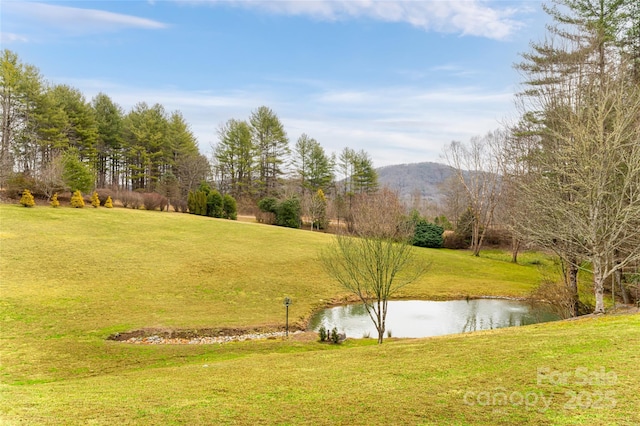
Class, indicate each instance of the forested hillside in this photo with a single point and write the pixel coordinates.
(410, 180)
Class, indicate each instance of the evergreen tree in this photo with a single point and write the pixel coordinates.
(229, 207)
(76, 174)
(148, 147)
(76, 200)
(288, 213)
(54, 200)
(272, 145)
(428, 235)
(81, 131)
(313, 167)
(201, 203)
(27, 199)
(365, 179)
(235, 157)
(318, 210)
(21, 92)
(109, 149)
(214, 204)
(443, 222)
(109, 203)
(95, 199)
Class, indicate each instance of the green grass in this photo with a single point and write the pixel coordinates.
(71, 277)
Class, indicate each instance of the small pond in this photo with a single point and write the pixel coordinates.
(420, 318)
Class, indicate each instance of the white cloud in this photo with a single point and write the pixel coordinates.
(466, 17)
(77, 20)
(398, 124)
(10, 38)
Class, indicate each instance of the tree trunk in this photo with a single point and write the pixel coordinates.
(380, 326)
(598, 287)
(573, 288)
(515, 249)
(475, 239)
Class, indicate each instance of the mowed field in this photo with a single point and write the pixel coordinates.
(72, 277)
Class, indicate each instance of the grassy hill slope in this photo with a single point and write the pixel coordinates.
(72, 277)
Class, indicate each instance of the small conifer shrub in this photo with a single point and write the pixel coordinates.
(76, 200)
(27, 199)
(109, 203)
(54, 201)
(95, 200)
(322, 332)
(335, 337)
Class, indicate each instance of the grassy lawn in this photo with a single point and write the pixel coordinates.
(71, 277)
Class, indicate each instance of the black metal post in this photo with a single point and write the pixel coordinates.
(286, 303)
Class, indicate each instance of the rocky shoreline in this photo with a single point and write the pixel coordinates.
(203, 340)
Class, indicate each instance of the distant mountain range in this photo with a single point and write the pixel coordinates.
(409, 179)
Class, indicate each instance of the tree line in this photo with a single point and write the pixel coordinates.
(52, 137)
(43, 124)
(253, 160)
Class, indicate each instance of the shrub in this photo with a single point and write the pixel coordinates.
(322, 332)
(54, 200)
(136, 200)
(27, 199)
(76, 200)
(103, 194)
(16, 184)
(454, 241)
(108, 203)
(288, 213)
(266, 217)
(229, 207)
(204, 187)
(153, 201)
(557, 297)
(428, 235)
(335, 337)
(214, 204)
(268, 205)
(497, 237)
(123, 196)
(191, 202)
(95, 200)
(197, 203)
(201, 203)
(180, 205)
(246, 205)
(130, 199)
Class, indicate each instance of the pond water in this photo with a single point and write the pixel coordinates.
(421, 318)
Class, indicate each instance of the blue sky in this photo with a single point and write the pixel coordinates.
(399, 79)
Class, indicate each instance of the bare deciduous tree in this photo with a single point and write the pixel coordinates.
(50, 178)
(585, 187)
(377, 258)
(477, 169)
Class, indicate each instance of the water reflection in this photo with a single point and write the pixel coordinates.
(419, 318)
